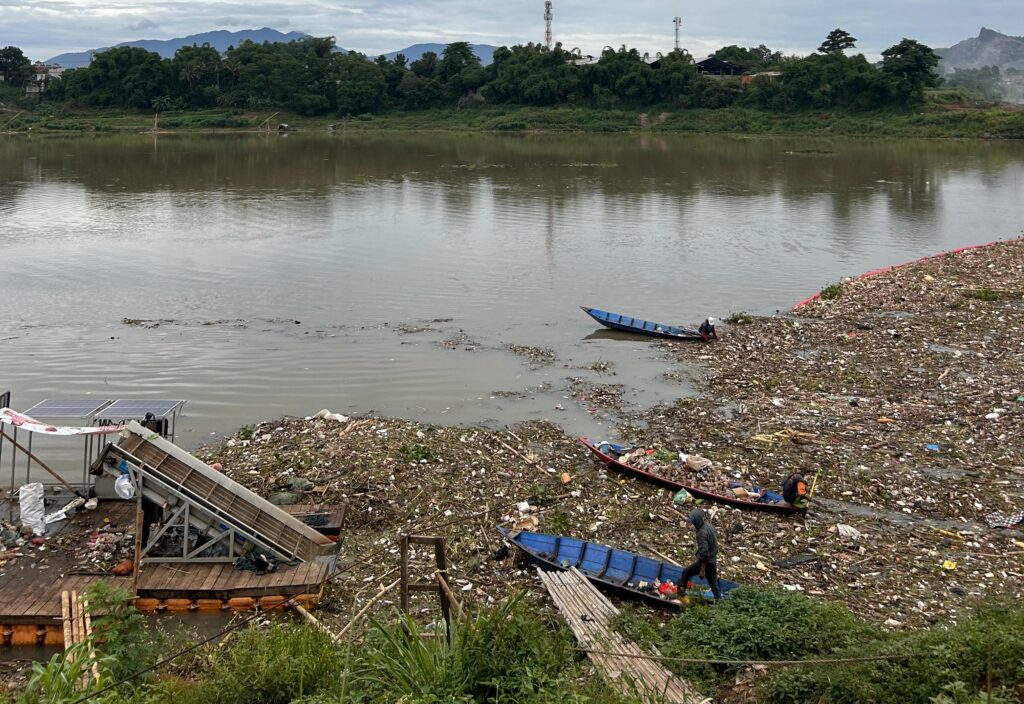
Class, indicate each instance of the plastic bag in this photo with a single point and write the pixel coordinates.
(124, 488)
(682, 498)
(33, 511)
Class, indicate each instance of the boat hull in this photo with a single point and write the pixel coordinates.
(666, 483)
(636, 326)
(616, 571)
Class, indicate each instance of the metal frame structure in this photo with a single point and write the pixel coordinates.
(193, 496)
(125, 409)
(50, 409)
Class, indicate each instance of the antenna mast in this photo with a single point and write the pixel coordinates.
(547, 23)
(678, 21)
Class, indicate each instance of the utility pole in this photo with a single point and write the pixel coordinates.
(547, 24)
(678, 21)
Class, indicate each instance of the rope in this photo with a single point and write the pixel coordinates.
(767, 663)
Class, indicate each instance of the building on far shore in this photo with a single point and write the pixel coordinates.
(717, 68)
(42, 74)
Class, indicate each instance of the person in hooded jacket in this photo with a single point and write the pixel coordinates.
(706, 554)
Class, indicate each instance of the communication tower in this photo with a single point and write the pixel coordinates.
(547, 23)
(678, 21)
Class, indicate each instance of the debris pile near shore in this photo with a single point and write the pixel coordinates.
(908, 395)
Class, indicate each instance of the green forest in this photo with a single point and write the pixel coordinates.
(311, 77)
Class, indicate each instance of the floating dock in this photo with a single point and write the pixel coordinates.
(215, 522)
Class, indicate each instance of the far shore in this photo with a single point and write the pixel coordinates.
(935, 122)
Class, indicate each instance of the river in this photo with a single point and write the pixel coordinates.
(388, 273)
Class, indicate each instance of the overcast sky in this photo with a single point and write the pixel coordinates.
(44, 28)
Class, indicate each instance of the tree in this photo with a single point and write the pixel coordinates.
(910, 66)
(837, 42)
(426, 65)
(198, 68)
(360, 84)
(14, 66)
(460, 70)
(757, 58)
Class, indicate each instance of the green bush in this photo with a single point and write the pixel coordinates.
(416, 453)
(276, 666)
(940, 665)
(831, 292)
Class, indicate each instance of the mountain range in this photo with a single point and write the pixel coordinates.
(222, 39)
(989, 48)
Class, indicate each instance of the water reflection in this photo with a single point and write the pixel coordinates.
(504, 235)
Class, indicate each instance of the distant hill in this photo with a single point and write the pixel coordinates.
(989, 48)
(484, 51)
(220, 40)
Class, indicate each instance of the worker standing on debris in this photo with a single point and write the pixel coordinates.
(706, 554)
(794, 490)
(707, 329)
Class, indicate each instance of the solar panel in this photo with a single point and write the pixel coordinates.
(66, 408)
(133, 408)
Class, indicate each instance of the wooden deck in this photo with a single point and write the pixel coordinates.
(31, 582)
(589, 613)
(223, 581)
(40, 604)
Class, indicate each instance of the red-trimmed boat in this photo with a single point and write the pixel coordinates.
(610, 458)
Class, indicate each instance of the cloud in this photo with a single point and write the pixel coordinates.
(46, 27)
(142, 24)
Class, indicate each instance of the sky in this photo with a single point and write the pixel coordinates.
(44, 28)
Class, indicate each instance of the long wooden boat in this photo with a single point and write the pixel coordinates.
(625, 323)
(696, 491)
(621, 572)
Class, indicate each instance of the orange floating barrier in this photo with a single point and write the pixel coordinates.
(54, 636)
(273, 602)
(178, 605)
(241, 603)
(207, 605)
(26, 635)
(147, 606)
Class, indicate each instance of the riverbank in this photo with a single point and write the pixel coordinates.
(935, 121)
(900, 393)
(905, 387)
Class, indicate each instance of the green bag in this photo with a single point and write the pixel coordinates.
(682, 498)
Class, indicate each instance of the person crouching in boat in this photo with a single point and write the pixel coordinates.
(706, 554)
(707, 329)
(794, 490)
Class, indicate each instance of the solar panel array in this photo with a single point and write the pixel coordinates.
(66, 408)
(132, 408)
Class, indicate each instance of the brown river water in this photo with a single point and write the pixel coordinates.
(295, 273)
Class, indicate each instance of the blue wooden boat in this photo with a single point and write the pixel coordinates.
(625, 323)
(627, 574)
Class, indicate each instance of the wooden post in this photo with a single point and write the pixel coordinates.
(136, 566)
(88, 636)
(441, 560)
(403, 579)
(65, 611)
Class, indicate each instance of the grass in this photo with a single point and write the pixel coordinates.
(517, 653)
(832, 292)
(741, 318)
(986, 294)
(417, 453)
(933, 121)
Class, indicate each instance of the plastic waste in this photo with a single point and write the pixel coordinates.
(124, 488)
(682, 498)
(33, 511)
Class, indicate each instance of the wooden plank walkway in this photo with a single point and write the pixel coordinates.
(589, 613)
